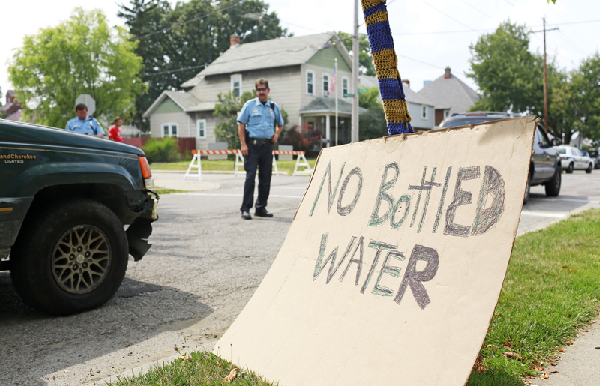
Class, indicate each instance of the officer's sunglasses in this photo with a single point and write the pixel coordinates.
(261, 89)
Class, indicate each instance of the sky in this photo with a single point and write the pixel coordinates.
(428, 34)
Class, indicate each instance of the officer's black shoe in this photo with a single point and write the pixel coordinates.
(246, 215)
(262, 213)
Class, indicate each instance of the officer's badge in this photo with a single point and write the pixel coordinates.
(271, 111)
(255, 111)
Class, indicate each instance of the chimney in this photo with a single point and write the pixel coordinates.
(235, 40)
(448, 74)
(406, 82)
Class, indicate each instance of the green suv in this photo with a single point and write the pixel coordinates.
(65, 199)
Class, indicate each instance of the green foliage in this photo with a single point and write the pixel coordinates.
(550, 291)
(510, 77)
(82, 55)
(365, 60)
(372, 123)
(144, 18)
(228, 108)
(162, 150)
(370, 98)
(196, 32)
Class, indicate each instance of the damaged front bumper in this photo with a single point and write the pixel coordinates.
(141, 228)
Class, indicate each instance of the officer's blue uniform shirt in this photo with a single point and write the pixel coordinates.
(88, 126)
(260, 119)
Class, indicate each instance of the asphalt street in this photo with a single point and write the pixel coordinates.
(204, 266)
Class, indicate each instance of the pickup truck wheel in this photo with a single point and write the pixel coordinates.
(589, 169)
(527, 189)
(553, 186)
(70, 258)
(570, 168)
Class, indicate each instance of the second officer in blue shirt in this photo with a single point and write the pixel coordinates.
(256, 128)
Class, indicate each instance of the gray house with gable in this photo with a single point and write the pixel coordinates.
(299, 70)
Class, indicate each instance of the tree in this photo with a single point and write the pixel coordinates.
(228, 108)
(578, 101)
(226, 130)
(146, 20)
(509, 76)
(365, 60)
(372, 123)
(80, 56)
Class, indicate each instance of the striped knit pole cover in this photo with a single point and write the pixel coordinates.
(386, 63)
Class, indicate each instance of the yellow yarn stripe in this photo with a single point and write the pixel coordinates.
(385, 59)
(376, 17)
(370, 3)
(396, 110)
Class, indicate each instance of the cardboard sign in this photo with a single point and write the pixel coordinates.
(394, 263)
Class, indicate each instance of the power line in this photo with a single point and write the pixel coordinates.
(448, 16)
(481, 12)
(569, 41)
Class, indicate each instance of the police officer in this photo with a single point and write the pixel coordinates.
(83, 124)
(256, 124)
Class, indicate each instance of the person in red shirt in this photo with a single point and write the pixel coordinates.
(114, 132)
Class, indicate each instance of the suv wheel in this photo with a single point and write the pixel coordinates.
(570, 168)
(589, 169)
(70, 258)
(553, 186)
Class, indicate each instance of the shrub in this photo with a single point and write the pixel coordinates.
(162, 150)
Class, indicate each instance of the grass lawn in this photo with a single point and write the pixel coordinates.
(224, 165)
(552, 289)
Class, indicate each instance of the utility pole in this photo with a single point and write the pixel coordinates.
(355, 75)
(545, 77)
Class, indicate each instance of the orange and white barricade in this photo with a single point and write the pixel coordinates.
(197, 160)
(196, 163)
(301, 162)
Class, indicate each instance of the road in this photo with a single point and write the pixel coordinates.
(204, 266)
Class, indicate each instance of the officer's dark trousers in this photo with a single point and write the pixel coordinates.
(261, 157)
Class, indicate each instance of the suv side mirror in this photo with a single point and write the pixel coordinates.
(556, 141)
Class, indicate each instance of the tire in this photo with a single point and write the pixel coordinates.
(553, 186)
(589, 169)
(527, 189)
(570, 168)
(50, 271)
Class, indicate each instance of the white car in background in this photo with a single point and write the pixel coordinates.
(572, 158)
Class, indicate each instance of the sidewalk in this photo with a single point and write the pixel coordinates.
(174, 180)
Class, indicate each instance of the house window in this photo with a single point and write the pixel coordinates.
(236, 85)
(345, 86)
(424, 112)
(325, 84)
(446, 113)
(169, 129)
(202, 128)
(310, 82)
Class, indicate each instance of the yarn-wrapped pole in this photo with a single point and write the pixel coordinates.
(386, 63)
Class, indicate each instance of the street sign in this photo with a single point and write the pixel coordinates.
(346, 95)
(362, 90)
(87, 100)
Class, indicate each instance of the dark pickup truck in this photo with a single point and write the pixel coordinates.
(65, 200)
(545, 167)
